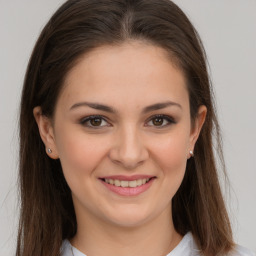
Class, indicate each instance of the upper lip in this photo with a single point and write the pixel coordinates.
(128, 178)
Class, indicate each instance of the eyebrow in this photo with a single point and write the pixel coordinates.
(111, 110)
(94, 106)
(160, 106)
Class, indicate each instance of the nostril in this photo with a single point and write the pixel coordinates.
(128, 155)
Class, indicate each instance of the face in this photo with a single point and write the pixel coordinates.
(122, 131)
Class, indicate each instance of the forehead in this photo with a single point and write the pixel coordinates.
(128, 72)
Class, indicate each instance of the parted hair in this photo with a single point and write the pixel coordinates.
(47, 215)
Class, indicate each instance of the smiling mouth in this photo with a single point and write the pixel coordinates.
(126, 183)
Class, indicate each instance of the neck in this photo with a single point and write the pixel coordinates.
(95, 237)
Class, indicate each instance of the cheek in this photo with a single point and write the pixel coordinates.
(79, 153)
(174, 156)
(171, 151)
(173, 162)
(170, 154)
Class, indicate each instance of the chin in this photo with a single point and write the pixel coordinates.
(130, 218)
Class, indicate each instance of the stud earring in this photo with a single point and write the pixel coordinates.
(191, 153)
(49, 150)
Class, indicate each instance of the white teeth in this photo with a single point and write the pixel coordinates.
(133, 184)
(126, 183)
(117, 183)
(139, 182)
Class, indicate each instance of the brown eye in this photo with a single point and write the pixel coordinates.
(96, 121)
(161, 121)
(158, 121)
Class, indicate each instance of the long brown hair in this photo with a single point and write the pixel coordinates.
(47, 212)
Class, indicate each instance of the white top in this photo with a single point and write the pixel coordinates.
(186, 247)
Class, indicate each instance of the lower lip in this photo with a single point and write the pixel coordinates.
(128, 191)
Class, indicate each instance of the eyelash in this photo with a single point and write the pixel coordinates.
(85, 121)
(166, 118)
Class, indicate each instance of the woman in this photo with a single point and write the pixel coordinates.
(116, 124)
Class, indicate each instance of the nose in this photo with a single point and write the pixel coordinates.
(128, 149)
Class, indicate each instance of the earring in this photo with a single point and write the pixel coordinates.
(49, 150)
(191, 153)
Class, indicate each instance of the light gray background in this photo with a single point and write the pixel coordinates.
(228, 30)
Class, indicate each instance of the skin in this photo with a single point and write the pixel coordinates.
(129, 141)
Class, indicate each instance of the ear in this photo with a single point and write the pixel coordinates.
(46, 132)
(196, 128)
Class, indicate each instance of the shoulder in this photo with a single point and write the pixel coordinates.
(65, 248)
(241, 251)
(186, 247)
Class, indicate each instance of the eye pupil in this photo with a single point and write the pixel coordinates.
(158, 121)
(96, 121)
